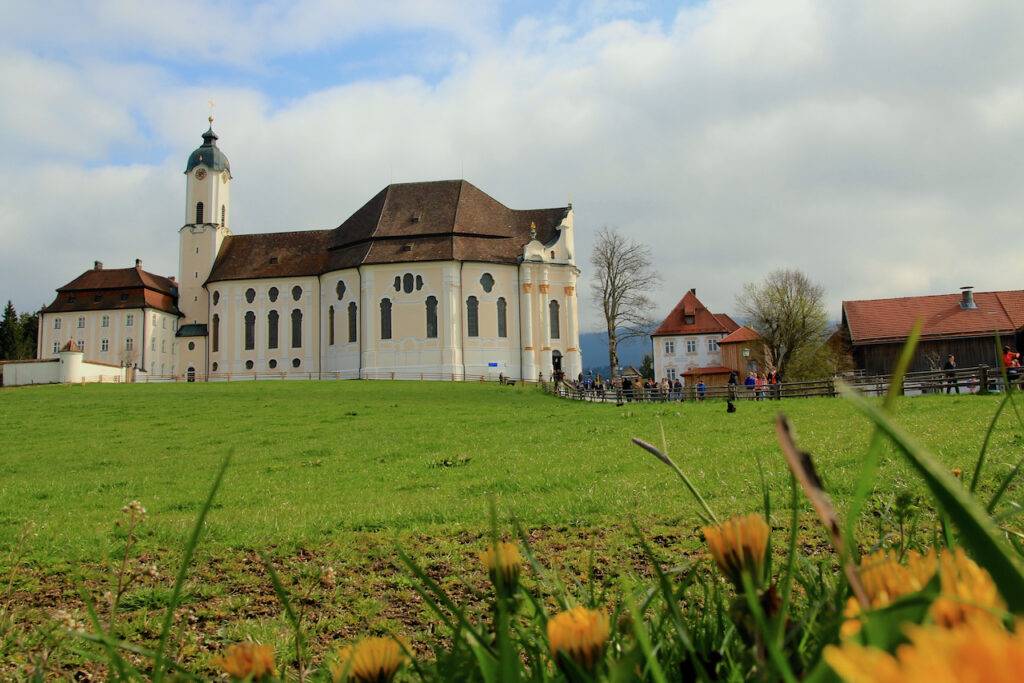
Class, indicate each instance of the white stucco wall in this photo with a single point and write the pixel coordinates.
(682, 360)
(151, 331)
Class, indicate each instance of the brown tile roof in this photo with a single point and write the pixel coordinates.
(429, 221)
(741, 334)
(272, 254)
(710, 370)
(115, 289)
(890, 320)
(704, 321)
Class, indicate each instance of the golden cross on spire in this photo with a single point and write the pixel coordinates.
(210, 117)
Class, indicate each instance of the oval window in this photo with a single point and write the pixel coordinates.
(296, 292)
(419, 282)
(191, 346)
(398, 283)
(248, 365)
(272, 293)
(273, 363)
(295, 362)
(216, 298)
(250, 295)
(407, 283)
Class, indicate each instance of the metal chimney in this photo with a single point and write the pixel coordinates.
(967, 297)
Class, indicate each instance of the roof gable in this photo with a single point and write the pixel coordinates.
(690, 316)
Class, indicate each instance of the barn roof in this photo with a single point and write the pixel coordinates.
(873, 321)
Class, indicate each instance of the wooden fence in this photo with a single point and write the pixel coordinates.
(977, 380)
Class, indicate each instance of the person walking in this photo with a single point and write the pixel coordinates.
(702, 389)
(950, 368)
(1011, 361)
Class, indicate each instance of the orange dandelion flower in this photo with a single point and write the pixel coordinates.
(372, 660)
(975, 650)
(739, 544)
(503, 563)
(248, 661)
(579, 634)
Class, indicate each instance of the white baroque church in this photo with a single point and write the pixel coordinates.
(433, 280)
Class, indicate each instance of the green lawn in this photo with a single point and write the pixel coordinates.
(335, 473)
(315, 460)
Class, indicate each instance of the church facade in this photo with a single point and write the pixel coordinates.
(432, 280)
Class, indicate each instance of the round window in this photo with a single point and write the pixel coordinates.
(248, 365)
(272, 364)
(273, 293)
(296, 362)
(296, 292)
(214, 367)
(191, 346)
(250, 295)
(216, 298)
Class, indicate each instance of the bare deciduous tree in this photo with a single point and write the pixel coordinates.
(623, 277)
(788, 311)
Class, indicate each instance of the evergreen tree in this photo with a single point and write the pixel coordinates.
(9, 333)
(28, 328)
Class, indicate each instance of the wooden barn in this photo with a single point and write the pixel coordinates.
(965, 325)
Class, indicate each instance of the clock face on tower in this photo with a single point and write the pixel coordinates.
(200, 173)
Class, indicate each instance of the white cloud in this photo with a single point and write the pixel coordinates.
(874, 146)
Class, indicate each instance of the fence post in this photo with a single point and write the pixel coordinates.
(983, 386)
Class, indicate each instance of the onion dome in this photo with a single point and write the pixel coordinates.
(209, 154)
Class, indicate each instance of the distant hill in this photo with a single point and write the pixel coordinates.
(594, 346)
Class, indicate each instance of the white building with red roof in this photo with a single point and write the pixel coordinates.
(686, 344)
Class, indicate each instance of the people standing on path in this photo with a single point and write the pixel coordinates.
(950, 368)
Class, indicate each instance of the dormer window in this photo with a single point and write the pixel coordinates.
(688, 319)
(273, 259)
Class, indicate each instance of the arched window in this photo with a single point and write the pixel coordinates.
(296, 329)
(553, 315)
(385, 318)
(340, 289)
(215, 334)
(199, 212)
(502, 317)
(330, 326)
(250, 331)
(272, 320)
(431, 317)
(250, 295)
(272, 294)
(352, 321)
(222, 211)
(473, 317)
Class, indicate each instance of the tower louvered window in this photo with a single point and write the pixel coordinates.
(199, 212)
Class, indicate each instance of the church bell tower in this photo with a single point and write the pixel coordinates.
(207, 221)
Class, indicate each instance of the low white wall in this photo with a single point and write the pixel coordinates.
(19, 373)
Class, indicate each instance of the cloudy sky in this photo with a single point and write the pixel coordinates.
(875, 145)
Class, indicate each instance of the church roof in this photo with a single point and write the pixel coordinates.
(209, 154)
(447, 220)
(116, 288)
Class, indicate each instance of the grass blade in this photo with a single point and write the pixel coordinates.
(707, 516)
(984, 444)
(179, 581)
(282, 596)
(977, 530)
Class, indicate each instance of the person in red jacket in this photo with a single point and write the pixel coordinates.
(1011, 361)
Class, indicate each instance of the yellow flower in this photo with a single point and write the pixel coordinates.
(372, 660)
(975, 650)
(579, 634)
(739, 544)
(503, 563)
(248, 661)
(966, 589)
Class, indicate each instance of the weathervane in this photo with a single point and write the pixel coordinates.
(533, 230)
(210, 117)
